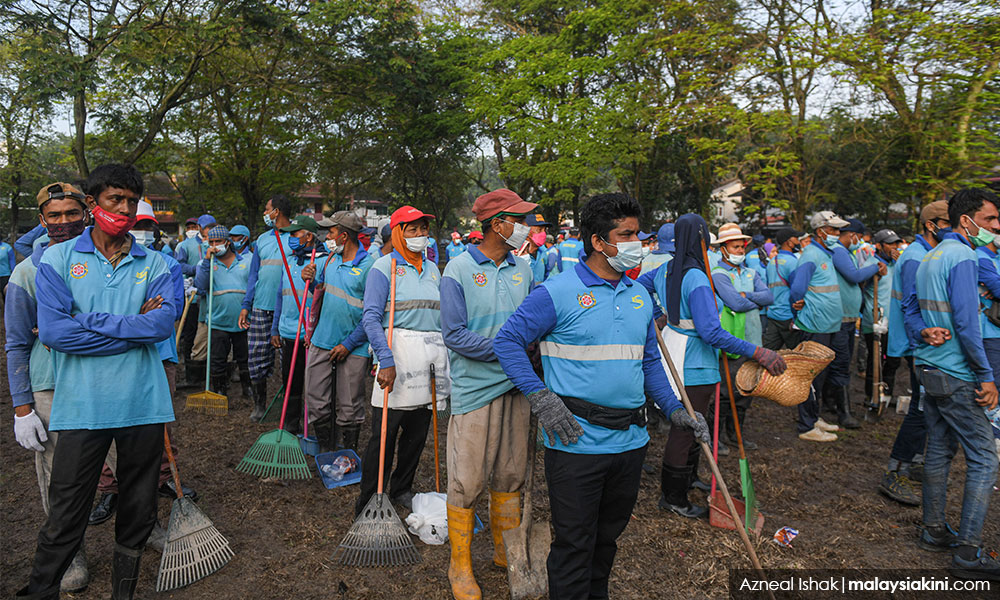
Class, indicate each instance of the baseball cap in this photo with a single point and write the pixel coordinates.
(240, 230)
(827, 218)
(665, 237)
(886, 236)
(58, 190)
(475, 235)
(205, 221)
(786, 234)
(219, 232)
(643, 236)
(456, 235)
(536, 220)
(934, 211)
(191, 221)
(342, 218)
(386, 232)
(499, 201)
(854, 226)
(302, 222)
(145, 212)
(407, 214)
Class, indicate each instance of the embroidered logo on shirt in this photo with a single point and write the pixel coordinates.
(637, 302)
(518, 280)
(400, 271)
(141, 275)
(78, 270)
(479, 278)
(355, 271)
(823, 266)
(586, 300)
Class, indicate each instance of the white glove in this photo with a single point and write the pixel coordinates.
(30, 432)
(188, 286)
(442, 404)
(882, 327)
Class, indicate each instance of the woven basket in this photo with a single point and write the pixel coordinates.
(791, 388)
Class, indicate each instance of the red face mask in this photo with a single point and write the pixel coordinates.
(112, 224)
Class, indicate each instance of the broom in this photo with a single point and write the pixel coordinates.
(209, 402)
(378, 538)
(194, 548)
(277, 453)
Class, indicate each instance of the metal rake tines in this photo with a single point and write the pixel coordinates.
(377, 539)
(191, 558)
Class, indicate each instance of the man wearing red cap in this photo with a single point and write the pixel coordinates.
(456, 246)
(488, 429)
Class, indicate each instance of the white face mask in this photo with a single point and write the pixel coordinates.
(221, 250)
(190, 233)
(629, 256)
(646, 251)
(142, 237)
(518, 237)
(332, 246)
(416, 244)
(736, 259)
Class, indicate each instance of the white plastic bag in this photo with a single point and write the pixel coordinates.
(429, 519)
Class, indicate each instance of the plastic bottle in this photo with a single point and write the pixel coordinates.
(338, 468)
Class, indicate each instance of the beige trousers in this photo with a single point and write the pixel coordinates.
(341, 385)
(199, 350)
(488, 445)
(43, 460)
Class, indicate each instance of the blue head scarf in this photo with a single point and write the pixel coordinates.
(690, 232)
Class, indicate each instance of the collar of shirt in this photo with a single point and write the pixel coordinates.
(923, 242)
(400, 261)
(85, 243)
(823, 247)
(951, 235)
(481, 258)
(36, 256)
(988, 252)
(358, 256)
(725, 265)
(792, 254)
(590, 279)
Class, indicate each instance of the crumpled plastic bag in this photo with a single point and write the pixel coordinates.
(429, 519)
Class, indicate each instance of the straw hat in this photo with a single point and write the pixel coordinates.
(730, 231)
(791, 388)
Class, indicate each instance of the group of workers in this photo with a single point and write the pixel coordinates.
(515, 326)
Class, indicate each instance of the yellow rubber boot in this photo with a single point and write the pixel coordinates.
(463, 582)
(505, 513)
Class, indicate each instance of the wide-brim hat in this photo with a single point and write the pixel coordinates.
(730, 232)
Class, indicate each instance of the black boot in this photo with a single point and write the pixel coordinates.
(321, 430)
(829, 403)
(259, 396)
(124, 573)
(844, 417)
(194, 373)
(50, 594)
(674, 484)
(350, 435)
(220, 384)
(246, 385)
(694, 482)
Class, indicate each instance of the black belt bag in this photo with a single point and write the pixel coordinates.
(609, 418)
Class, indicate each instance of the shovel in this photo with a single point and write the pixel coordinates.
(209, 402)
(527, 545)
(194, 548)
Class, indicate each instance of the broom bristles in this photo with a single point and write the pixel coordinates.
(276, 454)
(208, 403)
(194, 552)
(377, 538)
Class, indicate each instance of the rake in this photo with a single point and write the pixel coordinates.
(208, 402)
(269, 415)
(194, 548)
(277, 453)
(378, 538)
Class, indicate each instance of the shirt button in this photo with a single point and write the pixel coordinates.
(618, 308)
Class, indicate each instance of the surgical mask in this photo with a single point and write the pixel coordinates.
(517, 238)
(940, 232)
(983, 237)
(538, 239)
(797, 248)
(646, 250)
(143, 237)
(629, 256)
(268, 220)
(293, 243)
(736, 259)
(831, 241)
(223, 249)
(332, 246)
(856, 245)
(191, 233)
(416, 244)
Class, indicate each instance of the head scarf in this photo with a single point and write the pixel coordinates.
(689, 231)
(399, 245)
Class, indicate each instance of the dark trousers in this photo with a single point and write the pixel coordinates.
(410, 428)
(293, 416)
(222, 343)
(809, 410)
(912, 434)
(188, 334)
(680, 443)
(591, 497)
(889, 365)
(726, 421)
(779, 334)
(76, 468)
(842, 343)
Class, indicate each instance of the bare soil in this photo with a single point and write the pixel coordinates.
(283, 533)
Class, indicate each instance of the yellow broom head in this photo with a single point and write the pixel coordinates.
(791, 388)
(208, 403)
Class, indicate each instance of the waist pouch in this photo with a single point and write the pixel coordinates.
(604, 416)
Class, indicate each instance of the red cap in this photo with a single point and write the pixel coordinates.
(407, 214)
(475, 235)
(493, 203)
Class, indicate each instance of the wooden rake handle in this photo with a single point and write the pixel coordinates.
(173, 463)
(715, 467)
(385, 393)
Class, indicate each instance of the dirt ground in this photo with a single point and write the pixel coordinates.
(284, 533)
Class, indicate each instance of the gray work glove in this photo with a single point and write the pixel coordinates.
(554, 417)
(29, 432)
(697, 424)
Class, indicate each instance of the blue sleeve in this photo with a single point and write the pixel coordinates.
(355, 338)
(550, 263)
(646, 280)
(913, 321)
(964, 299)
(848, 270)
(799, 282)
(988, 275)
(761, 294)
(19, 320)
(181, 255)
(655, 380)
(706, 322)
(24, 244)
(376, 295)
(201, 277)
(177, 277)
(455, 324)
(251, 282)
(149, 328)
(12, 261)
(724, 288)
(534, 319)
(276, 318)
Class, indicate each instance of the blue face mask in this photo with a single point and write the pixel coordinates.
(856, 245)
(940, 232)
(831, 241)
(268, 220)
(293, 243)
